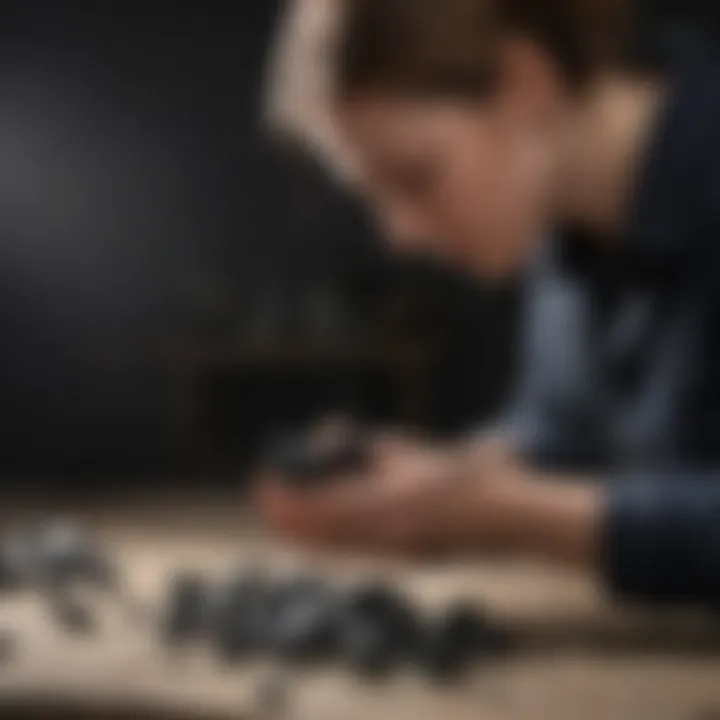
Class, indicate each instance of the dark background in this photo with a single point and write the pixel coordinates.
(139, 200)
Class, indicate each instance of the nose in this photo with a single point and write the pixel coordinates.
(406, 230)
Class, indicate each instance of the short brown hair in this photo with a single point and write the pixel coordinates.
(422, 47)
(448, 46)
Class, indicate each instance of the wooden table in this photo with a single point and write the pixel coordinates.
(581, 659)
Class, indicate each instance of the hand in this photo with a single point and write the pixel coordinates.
(414, 498)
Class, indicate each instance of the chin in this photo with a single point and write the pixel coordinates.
(508, 265)
(488, 267)
(499, 269)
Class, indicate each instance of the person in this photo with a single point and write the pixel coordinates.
(523, 137)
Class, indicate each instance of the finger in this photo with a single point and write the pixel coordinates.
(356, 519)
(387, 448)
(348, 513)
(378, 514)
(283, 508)
(292, 511)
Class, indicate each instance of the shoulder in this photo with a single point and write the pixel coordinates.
(677, 204)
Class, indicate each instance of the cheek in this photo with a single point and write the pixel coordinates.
(497, 202)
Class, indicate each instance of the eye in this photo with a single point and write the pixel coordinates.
(415, 179)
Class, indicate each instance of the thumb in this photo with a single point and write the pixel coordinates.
(388, 446)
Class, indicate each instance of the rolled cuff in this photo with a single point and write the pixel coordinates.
(661, 539)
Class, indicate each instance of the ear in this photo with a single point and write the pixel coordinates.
(531, 82)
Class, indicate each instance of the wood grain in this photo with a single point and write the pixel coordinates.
(579, 657)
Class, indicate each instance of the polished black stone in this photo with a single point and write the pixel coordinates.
(8, 646)
(302, 462)
(72, 616)
(19, 559)
(65, 555)
(187, 613)
(378, 629)
(461, 637)
(305, 616)
(241, 625)
(367, 648)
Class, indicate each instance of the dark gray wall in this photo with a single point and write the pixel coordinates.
(131, 166)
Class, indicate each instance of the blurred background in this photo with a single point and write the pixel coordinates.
(174, 288)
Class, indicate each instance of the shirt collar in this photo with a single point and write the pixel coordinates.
(672, 180)
(672, 183)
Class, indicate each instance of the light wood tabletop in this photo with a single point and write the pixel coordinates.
(579, 656)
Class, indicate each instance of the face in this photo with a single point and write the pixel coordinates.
(466, 182)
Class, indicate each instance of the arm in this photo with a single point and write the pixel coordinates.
(654, 539)
(551, 375)
(649, 538)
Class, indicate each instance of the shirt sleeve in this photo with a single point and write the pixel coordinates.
(533, 420)
(661, 531)
(661, 540)
(661, 535)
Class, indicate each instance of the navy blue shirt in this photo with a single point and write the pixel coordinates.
(622, 356)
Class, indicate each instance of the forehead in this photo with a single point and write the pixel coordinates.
(394, 123)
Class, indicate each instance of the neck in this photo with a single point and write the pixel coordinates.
(604, 149)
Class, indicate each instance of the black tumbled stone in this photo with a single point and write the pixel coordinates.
(241, 625)
(73, 616)
(461, 637)
(377, 629)
(186, 616)
(305, 462)
(304, 620)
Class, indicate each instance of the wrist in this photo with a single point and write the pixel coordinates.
(556, 518)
